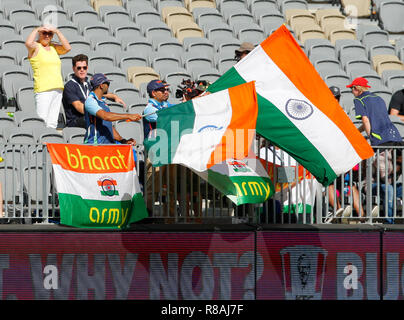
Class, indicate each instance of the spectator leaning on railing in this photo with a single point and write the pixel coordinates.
(43, 55)
(371, 109)
(98, 117)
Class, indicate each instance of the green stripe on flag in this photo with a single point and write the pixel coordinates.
(78, 212)
(273, 125)
(242, 189)
(170, 122)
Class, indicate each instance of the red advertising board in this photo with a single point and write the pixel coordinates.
(318, 265)
(109, 265)
(393, 271)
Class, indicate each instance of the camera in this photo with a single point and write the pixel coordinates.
(186, 87)
(191, 89)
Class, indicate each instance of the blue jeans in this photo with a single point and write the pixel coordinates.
(390, 199)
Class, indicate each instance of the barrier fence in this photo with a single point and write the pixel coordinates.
(175, 194)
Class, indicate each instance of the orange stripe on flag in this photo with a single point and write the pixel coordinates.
(92, 159)
(238, 136)
(112, 182)
(286, 53)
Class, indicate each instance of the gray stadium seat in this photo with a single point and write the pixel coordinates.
(25, 99)
(293, 4)
(7, 122)
(254, 35)
(352, 50)
(326, 50)
(9, 77)
(328, 66)
(33, 177)
(147, 17)
(110, 48)
(15, 47)
(339, 81)
(130, 130)
(10, 180)
(224, 64)
(160, 60)
(21, 135)
(84, 18)
(209, 18)
(118, 19)
(74, 134)
(28, 119)
(391, 16)
(143, 48)
(199, 46)
(153, 32)
(175, 78)
(128, 59)
(128, 95)
(8, 31)
(358, 66)
(116, 76)
(48, 135)
(198, 62)
(270, 21)
(79, 46)
(116, 107)
(263, 6)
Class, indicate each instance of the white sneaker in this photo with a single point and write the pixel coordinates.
(375, 212)
(346, 214)
(331, 218)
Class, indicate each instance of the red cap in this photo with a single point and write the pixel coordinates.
(362, 82)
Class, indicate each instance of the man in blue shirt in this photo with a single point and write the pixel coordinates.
(382, 132)
(76, 92)
(99, 118)
(372, 110)
(158, 95)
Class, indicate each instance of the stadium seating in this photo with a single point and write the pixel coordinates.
(134, 42)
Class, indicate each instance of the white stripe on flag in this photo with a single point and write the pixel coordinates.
(212, 117)
(273, 85)
(86, 186)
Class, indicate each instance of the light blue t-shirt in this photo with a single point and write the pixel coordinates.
(98, 131)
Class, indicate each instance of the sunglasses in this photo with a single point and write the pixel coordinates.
(81, 68)
(49, 34)
(163, 90)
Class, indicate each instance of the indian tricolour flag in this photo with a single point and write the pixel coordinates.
(98, 186)
(207, 130)
(297, 111)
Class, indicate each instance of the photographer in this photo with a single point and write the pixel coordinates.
(191, 89)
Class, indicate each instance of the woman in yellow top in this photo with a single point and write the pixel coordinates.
(43, 55)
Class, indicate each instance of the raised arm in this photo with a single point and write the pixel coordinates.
(64, 46)
(31, 43)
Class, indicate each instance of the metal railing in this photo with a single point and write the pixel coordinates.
(175, 194)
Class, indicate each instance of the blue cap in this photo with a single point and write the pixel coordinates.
(98, 79)
(155, 85)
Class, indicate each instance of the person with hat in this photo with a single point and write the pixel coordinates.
(372, 110)
(244, 49)
(98, 117)
(158, 95)
(336, 92)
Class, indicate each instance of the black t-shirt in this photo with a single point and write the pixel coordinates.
(397, 102)
(75, 90)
